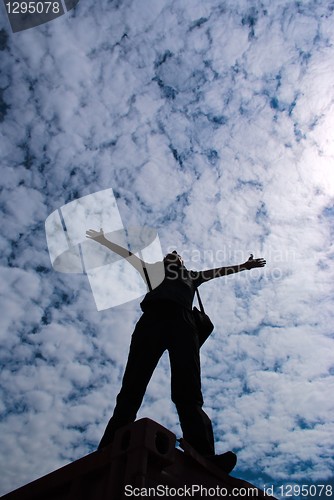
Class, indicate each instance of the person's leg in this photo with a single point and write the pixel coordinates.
(196, 427)
(186, 386)
(145, 351)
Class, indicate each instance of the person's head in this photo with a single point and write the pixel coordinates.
(173, 258)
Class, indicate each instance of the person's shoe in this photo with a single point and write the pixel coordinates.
(226, 461)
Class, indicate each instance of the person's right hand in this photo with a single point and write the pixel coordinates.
(251, 262)
(96, 235)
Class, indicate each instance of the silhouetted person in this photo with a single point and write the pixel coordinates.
(167, 323)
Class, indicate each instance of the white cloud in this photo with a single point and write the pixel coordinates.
(214, 127)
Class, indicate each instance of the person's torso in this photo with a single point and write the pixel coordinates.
(177, 286)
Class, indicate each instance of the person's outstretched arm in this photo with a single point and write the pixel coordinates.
(251, 263)
(98, 236)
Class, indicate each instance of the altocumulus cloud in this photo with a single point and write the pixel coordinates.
(212, 123)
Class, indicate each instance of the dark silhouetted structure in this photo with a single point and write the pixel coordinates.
(141, 462)
(168, 323)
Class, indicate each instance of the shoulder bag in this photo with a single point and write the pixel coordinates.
(203, 322)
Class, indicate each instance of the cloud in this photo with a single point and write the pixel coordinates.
(212, 125)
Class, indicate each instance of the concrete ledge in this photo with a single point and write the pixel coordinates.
(141, 462)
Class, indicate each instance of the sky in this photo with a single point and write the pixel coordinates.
(210, 122)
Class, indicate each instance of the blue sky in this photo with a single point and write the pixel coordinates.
(212, 122)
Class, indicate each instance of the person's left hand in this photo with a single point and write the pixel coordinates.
(96, 235)
(252, 263)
